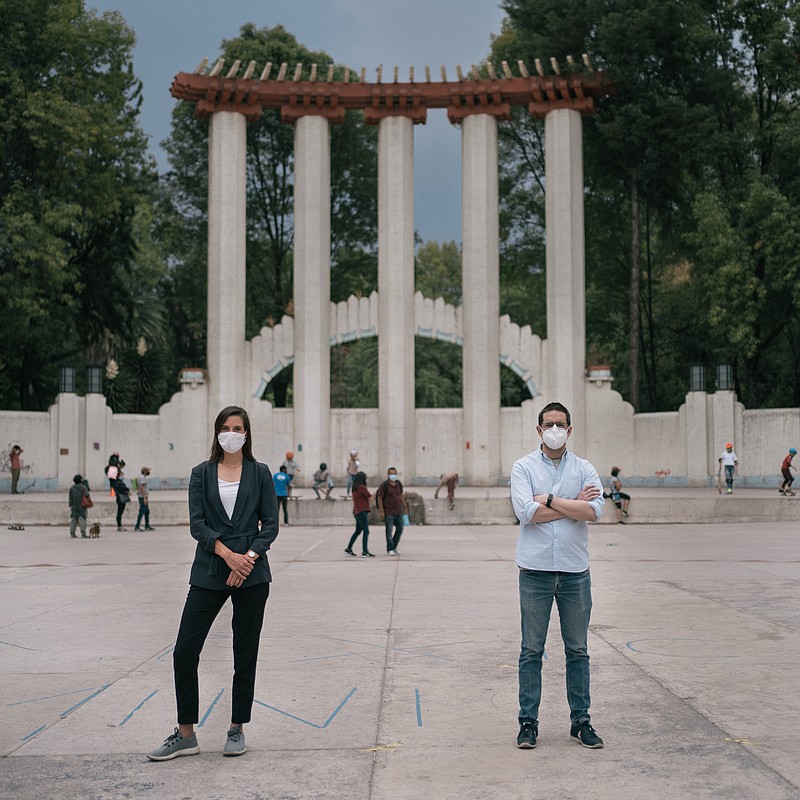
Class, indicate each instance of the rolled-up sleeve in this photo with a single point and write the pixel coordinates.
(522, 494)
(590, 478)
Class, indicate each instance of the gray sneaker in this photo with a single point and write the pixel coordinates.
(235, 745)
(175, 745)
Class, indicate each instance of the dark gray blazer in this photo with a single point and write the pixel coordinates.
(254, 525)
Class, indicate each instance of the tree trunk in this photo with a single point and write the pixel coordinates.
(634, 294)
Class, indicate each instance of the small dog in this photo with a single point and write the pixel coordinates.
(94, 531)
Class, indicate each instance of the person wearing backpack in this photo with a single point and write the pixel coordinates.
(391, 500)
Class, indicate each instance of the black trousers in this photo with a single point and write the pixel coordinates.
(199, 613)
(282, 503)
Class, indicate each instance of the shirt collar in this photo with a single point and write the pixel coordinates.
(547, 459)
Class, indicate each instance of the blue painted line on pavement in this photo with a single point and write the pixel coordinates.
(308, 722)
(138, 707)
(419, 710)
(85, 700)
(167, 652)
(210, 708)
(339, 707)
(287, 714)
(19, 646)
(48, 697)
(33, 733)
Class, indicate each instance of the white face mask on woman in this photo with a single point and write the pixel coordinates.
(555, 438)
(231, 441)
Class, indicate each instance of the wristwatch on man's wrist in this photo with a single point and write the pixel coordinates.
(549, 500)
(251, 554)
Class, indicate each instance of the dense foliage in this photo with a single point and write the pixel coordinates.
(692, 207)
(693, 188)
(77, 281)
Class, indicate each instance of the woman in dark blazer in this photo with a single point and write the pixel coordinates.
(233, 516)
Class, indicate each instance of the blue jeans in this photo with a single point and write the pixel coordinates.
(572, 592)
(395, 522)
(144, 512)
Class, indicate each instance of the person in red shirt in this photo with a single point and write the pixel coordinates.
(361, 498)
(16, 466)
(391, 507)
(786, 471)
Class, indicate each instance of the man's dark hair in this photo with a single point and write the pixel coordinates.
(390, 469)
(283, 467)
(76, 479)
(554, 407)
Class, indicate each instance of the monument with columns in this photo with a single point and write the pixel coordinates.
(475, 103)
(481, 440)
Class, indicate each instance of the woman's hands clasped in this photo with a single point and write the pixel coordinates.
(240, 565)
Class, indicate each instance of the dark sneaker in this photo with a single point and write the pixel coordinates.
(526, 738)
(175, 745)
(368, 555)
(349, 551)
(583, 733)
(148, 528)
(234, 746)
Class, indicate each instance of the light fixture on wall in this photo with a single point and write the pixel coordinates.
(94, 379)
(724, 377)
(67, 379)
(697, 378)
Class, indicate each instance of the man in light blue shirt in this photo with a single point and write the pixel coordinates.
(555, 494)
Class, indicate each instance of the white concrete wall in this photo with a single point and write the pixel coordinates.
(481, 291)
(227, 152)
(396, 290)
(675, 448)
(312, 287)
(566, 306)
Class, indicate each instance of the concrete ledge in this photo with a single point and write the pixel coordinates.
(668, 506)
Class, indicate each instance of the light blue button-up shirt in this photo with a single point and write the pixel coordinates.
(561, 545)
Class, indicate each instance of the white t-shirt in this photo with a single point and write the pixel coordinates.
(728, 459)
(227, 494)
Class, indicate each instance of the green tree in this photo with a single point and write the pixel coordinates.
(73, 178)
(437, 271)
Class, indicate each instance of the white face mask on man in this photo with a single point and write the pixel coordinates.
(555, 438)
(231, 441)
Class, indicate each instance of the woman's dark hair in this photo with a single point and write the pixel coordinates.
(231, 411)
(615, 471)
(360, 480)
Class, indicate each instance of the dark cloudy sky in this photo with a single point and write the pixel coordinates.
(174, 35)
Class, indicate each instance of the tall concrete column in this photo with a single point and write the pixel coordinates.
(481, 304)
(566, 302)
(312, 292)
(227, 203)
(396, 293)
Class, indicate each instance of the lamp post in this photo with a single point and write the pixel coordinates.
(94, 379)
(724, 377)
(66, 380)
(697, 378)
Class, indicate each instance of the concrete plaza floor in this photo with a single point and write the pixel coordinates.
(395, 678)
